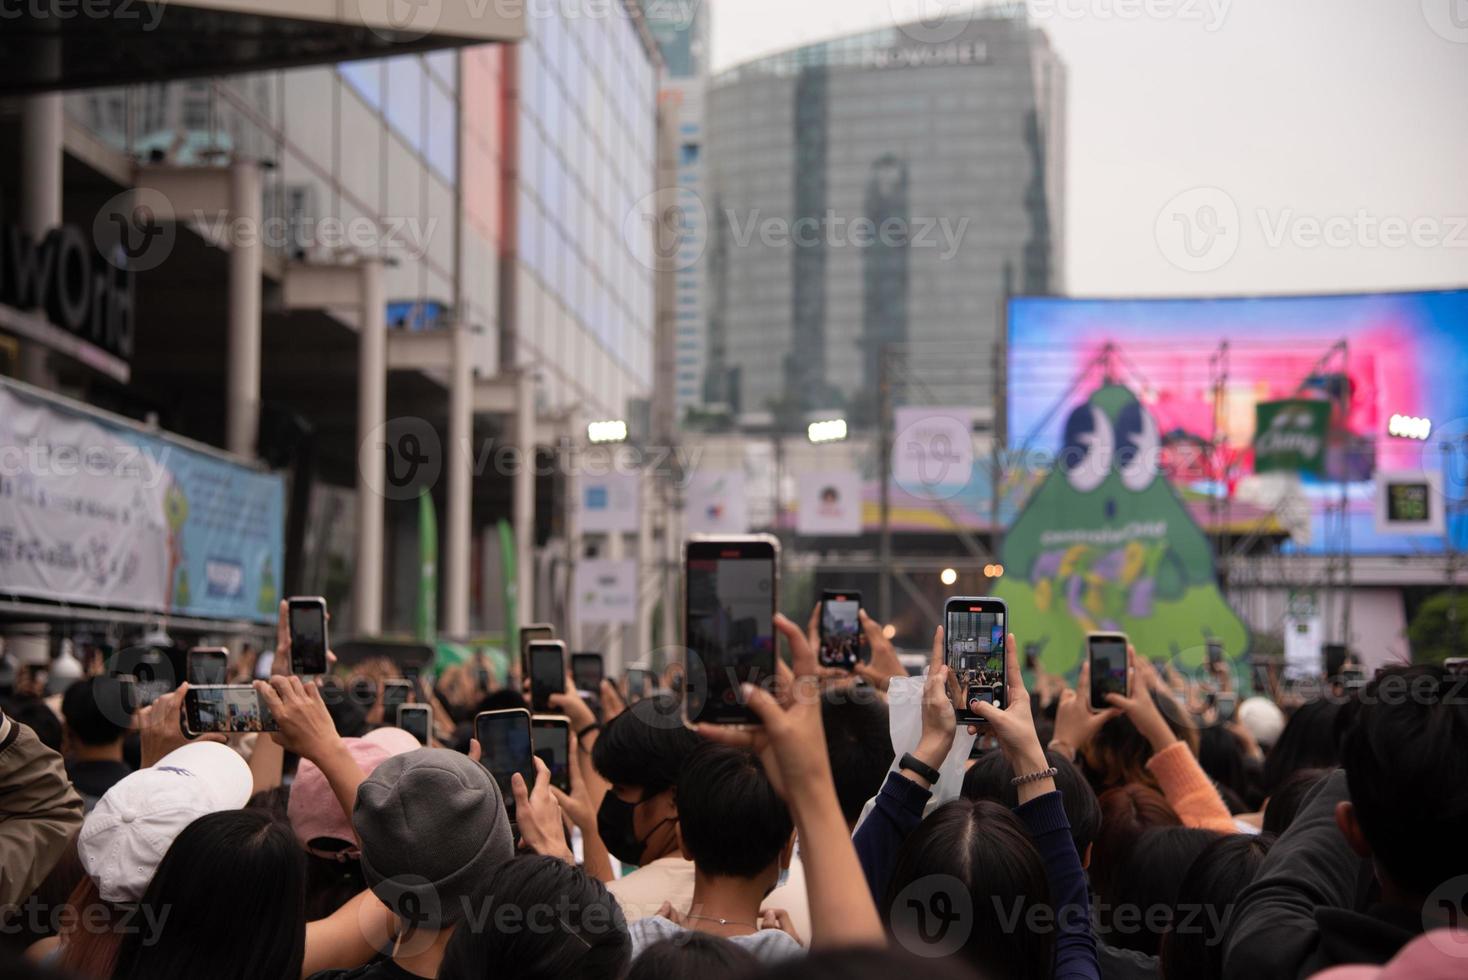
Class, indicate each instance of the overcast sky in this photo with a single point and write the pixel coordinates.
(1324, 142)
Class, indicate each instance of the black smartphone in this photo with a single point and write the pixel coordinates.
(532, 633)
(730, 593)
(1215, 653)
(208, 665)
(587, 671)
(1110, 673)
(1227, 705)
(395, 693)
(974, 628)
(506, 748)
(841, 635)
(547, 672)
(641, 683)
(416, 720)
(550, 735)
(306, 617)
(226, 708)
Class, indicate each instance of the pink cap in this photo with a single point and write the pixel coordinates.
(1441, 954)
(313, 808)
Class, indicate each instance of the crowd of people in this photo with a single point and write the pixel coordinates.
(859, 830)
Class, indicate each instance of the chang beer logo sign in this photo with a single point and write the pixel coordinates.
(1289, 436)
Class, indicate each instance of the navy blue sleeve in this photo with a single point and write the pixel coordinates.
(897, 811)
(1075, 944)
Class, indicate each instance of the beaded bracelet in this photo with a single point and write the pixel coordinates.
(1035, 777)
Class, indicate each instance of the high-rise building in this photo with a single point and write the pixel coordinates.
(874, 190)
(682, 32)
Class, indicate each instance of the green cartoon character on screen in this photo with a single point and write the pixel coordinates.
(1104, 543)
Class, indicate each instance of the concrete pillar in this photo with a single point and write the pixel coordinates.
(371, 463)
(568, 465)
(524, 498)
(612, 654)
(646, 571)
(246, 252)
(40, 197)
(671, 506)
(459, 462)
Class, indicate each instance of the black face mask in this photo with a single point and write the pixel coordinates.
(614, 825)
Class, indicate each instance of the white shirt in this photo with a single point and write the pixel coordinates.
(769, 946)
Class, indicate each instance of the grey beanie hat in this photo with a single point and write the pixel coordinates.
(433, 826)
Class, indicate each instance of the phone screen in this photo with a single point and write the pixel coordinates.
(1108, 669)
(414, 719)
(533, 633)
(587, 671)
(840, 630)
(154, 671)
(1227, 703)
(230, 709)
(551, 739)
(208, 667)
(1215, 652)
(730, 624)
(547, 672)
(394, 693)
(640, 683)
(506, 747)
(973, 639)
(307, 621)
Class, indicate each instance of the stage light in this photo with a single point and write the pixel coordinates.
(610, 430)
(1409, 427)
(828, 430)
(949, 576)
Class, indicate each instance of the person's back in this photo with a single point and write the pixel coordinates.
(1397, 808)
(738, 833)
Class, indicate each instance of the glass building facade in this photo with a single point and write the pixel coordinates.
(587, 146)
(877, 190)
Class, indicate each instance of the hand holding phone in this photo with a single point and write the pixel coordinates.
(506, 747)
(550, 735)
(730, 587)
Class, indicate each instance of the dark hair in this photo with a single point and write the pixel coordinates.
(1309, 741)
(1126, 812)
(235, 885)
(867, 963)
(645, 746)
(1406, 747)
(348, 715)
(989, 779)
(1118, 754)
(1191, 948)
(732, 821)
(693, 956)
(986, 848)
(82, 707)
(37, 715)
(1284, 804)
(501, 700)
(859, 745)
(1149, 878)
(565, 926)
(1222, 758)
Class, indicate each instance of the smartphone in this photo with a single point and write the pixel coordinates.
(547, 672)
(641, 683)
(395, 693)
(1215, 653)
(208, 665)
(974, 629)
(226, 708)
(1227, 705)
(1032, 657)
(306, 617)
(1110, 673)
(416, 720)
(587, 672)
(841, 636)
(532, 633)
(730, 592)
(155, 671)
(506, 748)
(550, 736)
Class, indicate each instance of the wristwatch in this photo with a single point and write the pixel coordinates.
(912, 763)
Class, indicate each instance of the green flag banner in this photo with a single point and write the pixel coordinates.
(427, 570)
(1289, 436)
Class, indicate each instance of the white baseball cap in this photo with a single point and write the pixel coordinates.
(1263, 719)
(132, 826)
